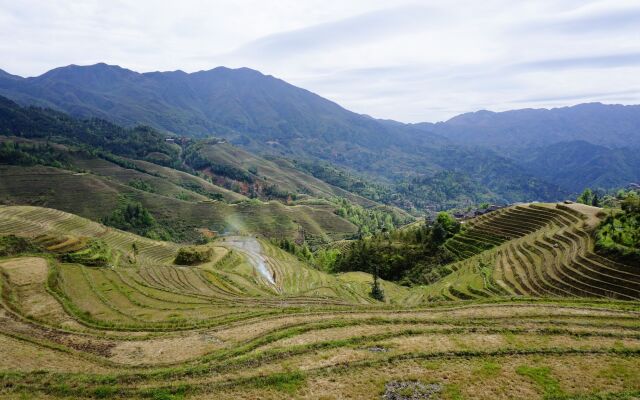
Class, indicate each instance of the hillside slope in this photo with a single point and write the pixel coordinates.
(94, 187)
(579, 164)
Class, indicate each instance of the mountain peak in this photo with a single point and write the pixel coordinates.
(241, 71)
(83, 71)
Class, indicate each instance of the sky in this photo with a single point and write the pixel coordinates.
(410, 61)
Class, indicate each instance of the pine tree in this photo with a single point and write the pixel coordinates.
(376, 290)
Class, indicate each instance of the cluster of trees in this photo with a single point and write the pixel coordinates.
(139, 142)
(12, 245)
(618, 236)
(133, 217)
(612, 198)
(192, 255)
(591, 198)
(195, 187)
(323, 259)
(274, 192)
(142, 185)
(410, 256)
(28, 154)
(369, 220)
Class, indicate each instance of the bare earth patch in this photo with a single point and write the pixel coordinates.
(29, 276)
(22, 356)
(165, 350)
(26, 271)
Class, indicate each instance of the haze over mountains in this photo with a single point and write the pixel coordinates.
(510, 156)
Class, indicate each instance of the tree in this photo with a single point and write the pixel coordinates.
(448, 222)
(134, 250)
(438, 234)
(376, 290)
(595, 201)
(586, 197)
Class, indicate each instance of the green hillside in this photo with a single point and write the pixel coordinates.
(263, 177)
(185, 186)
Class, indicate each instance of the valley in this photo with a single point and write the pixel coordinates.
(252, 240)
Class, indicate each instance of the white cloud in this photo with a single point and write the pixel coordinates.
(410, 61)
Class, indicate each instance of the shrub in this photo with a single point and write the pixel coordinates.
(192, 255)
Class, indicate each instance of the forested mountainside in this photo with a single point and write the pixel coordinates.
(267, 116)
(579, 164)
(240, 104)
(587, 145)
(610, 125)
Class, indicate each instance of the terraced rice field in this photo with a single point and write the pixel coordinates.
(145, 328)
(536, 250)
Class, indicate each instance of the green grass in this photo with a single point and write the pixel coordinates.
(288, 382)
(543, 378)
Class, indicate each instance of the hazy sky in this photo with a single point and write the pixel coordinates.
(405, 60)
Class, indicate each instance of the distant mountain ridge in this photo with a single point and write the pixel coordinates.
(235, 102)
(577, 164)
(221, 101)
(609, 125)
(267, 115)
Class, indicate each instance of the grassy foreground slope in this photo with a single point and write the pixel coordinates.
(254, 322)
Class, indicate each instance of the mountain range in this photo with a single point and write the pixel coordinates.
(520, 155)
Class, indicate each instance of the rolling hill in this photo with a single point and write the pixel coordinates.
(93, 168)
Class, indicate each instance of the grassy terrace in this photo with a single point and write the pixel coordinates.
(546, 250)
(541, 316)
